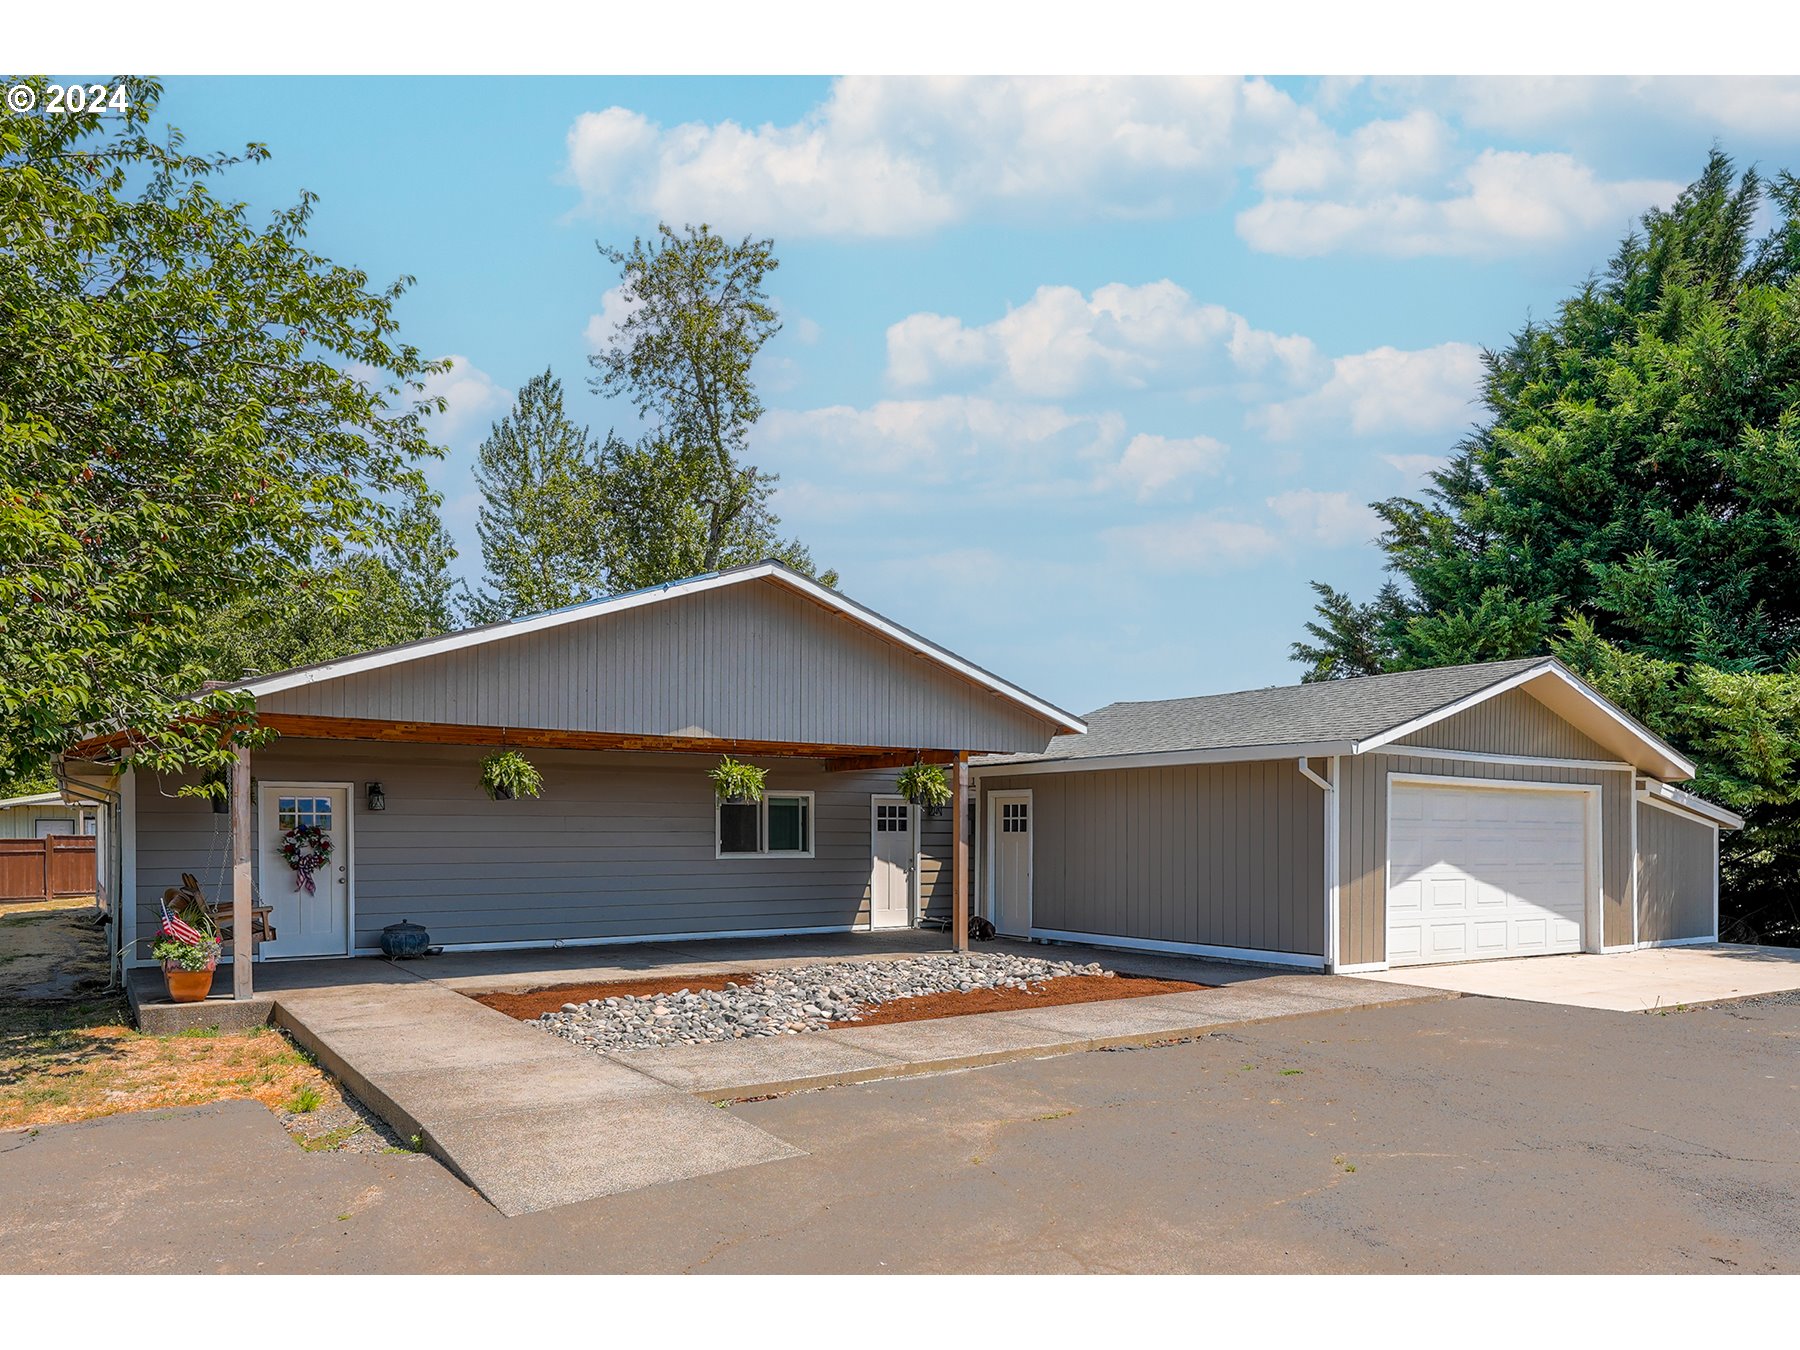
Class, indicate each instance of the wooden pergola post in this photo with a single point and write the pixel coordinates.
(242, 938)
(959, 886)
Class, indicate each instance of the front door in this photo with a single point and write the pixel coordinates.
(1009, 835)
(315, 922)
(890, 885)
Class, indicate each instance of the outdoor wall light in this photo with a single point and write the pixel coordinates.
(377, 798)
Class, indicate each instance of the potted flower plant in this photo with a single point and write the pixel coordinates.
(737, 782)
(188, 946)
(507, 774)
(925, 785)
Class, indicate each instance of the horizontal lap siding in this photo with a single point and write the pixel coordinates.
(752, 662)
(617, 846)
(1677, 863)
(1362, 840)
(1225, 855)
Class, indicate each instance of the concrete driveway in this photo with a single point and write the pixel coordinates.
(1650, 980)
(1473, 1135)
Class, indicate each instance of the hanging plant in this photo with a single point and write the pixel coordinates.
(737, 782)
(925, 785)
(507, 774)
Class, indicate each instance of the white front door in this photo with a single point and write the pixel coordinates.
(1485, 872)
(890, 884)
(315, 922)
(1009, 836)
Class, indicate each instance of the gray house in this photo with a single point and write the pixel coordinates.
(1455, 814)
(623, 705)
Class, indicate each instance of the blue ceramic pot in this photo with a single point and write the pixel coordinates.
(402, 940)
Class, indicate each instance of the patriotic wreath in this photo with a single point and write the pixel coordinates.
(307, 848)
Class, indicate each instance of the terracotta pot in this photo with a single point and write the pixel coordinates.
(187, 986)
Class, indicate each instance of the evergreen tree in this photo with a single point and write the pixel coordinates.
(682, 500)
(1632, 506)
(543, 520)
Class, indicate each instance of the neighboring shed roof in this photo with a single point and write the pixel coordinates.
(1344, 717)
(34, 799)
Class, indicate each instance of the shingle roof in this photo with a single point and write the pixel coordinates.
(1295, 714)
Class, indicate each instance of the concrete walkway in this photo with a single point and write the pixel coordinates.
(532, 1121)
(1656, 978)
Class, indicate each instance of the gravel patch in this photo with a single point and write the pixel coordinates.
(792, 1000)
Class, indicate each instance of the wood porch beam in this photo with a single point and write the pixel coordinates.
(897, 759)
(309, 727)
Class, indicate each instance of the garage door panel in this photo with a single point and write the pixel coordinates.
(1477, 872)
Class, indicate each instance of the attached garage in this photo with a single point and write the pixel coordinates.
(1461, 814)
(1489, 870)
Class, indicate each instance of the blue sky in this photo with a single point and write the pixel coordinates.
(1083, 378)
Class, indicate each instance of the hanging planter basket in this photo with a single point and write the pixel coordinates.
(737, 783)
(925, 785)
(506, 775)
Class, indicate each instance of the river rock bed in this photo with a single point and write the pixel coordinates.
(792, 1000)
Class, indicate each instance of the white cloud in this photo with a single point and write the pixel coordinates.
(614, 310)
(1755, 104)
(1377, 156)
(1158, 466)
(472, 400)
(1414, 466)
(1327, 518)
(1011, 447)
(1504, 201)
(1061, 342)
(1199, 543)
(1383, 391)
(889, 156)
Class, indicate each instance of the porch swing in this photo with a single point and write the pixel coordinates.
(262, 924)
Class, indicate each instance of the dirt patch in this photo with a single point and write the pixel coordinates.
(68, 1051)
(533, 1003)
(1047, 994)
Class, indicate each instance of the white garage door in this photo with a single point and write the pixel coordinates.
(1480, 872)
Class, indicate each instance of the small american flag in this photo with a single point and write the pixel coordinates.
(175, 927)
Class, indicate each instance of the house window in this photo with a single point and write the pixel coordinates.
(892, 818)
(1015, 817)
(779, 826)
(292, 811)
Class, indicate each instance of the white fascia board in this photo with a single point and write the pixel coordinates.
(537, 623)
(35, 799)
(1237, 754)
(1674, 799)
(1684, 766)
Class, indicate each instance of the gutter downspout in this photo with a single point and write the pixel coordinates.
(1330, 788)
(109, 800)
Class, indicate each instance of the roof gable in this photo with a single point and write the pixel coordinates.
(760, 653)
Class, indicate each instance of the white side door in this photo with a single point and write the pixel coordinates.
(1009, 837)
(890, 880)
(307, 923)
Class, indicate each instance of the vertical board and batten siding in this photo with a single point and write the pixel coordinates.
(753, 661)
(1677, 868)
(1512, 723)
(618, 846)
(21, 822)
(1224, 855)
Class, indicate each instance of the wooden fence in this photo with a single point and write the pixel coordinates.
(42, 869)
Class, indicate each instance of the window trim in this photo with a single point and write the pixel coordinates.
(762, 826)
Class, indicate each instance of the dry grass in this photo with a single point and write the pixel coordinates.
(60, 1065)
(73, 1058)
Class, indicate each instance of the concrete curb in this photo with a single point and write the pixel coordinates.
(1049, 1050)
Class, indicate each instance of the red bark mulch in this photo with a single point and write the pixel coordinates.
(1054, 993)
